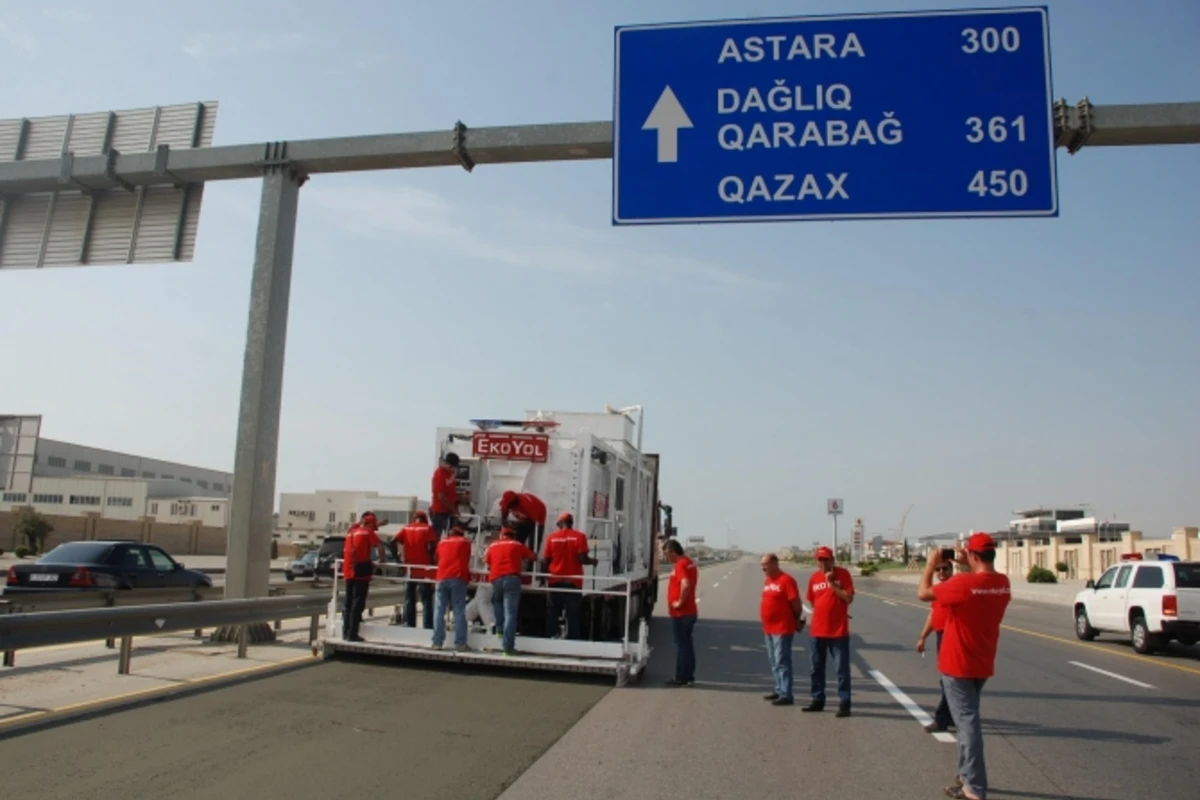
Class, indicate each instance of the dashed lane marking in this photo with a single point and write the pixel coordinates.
(1110, 674)
(1151, 662)
(890, 602)
(912, 708)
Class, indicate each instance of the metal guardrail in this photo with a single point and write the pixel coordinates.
(42, 629)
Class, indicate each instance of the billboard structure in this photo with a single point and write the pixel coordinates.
(856, 547)
(84, 221)
(18, 449)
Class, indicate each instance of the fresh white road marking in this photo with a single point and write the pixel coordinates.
(912, 708)
(1111, 674)
(715, 585)
(890, 603)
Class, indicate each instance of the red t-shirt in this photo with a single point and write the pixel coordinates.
(444, 480)
(504, 557)
(938, 621)
(563, 549)
(684, 568)
(974, 605)
(359, 541)
(830, 617)
(529, 507)
(415, 539)
(778, 619)
(454, 558)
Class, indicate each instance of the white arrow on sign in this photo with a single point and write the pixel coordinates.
(667, 118)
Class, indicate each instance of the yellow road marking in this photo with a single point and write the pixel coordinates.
(153, 690)
(1062, 640)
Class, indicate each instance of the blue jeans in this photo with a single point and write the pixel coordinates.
(941, 715)
(451, 592)
(411, 590)
(779, 654)
(840, 647)
(685, 650)
(962, 694)
(506, 600)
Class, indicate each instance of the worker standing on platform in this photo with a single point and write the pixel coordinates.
(453, 558)
(357, 568)
(681, 605)
(782, 616)
(504, 558)
(529, 517)
(416, 542)
(564, 554)
(443, 506)
(830, 591)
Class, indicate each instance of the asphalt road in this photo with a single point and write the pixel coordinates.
(1055, 726)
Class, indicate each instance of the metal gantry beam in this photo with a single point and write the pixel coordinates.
(1097, 126)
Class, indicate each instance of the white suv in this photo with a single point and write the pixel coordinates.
(1152, 602)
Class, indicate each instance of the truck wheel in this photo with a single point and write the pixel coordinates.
(1083, 627)
(1144, 642)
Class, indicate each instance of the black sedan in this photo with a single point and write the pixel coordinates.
(111, 564)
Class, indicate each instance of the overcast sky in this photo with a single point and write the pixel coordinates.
(965, 368)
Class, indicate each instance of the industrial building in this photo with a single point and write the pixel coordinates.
(311, 516)
(69, 479)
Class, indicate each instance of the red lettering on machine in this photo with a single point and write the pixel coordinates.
(510, 446)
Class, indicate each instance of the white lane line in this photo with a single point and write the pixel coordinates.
(1111, 674)
(890, 603)
(715, 585)
(912, 708)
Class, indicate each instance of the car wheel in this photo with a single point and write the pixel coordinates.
(1144, 642)
(289, 576)
(1083, 627)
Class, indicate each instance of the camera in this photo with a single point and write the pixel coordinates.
(948, 554)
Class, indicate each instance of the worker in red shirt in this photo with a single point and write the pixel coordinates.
(830, 592)
(443, 506)
(505, 558)
(681, 606)
(974, 604)
(416, 542)
(782, 616)
(563, 556)
(453, 558)
(529, 517)
(357, 568)
(936, 623)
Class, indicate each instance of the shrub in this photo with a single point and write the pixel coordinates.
(21, 551)
(1041, 575)
(1062, 566)
(274, 549)
(869, 569)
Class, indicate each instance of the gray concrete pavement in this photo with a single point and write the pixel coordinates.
(1062, 720)
(345, 729)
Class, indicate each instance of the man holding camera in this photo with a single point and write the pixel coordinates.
(974, 604)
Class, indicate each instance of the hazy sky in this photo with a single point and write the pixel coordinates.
(964, 367)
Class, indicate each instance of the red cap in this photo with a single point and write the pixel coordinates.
(370, 519)
(566, 517)
(980, 542)
(507, 532)
(824, 552)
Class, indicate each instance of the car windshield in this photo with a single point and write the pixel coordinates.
(77, 553)
(1187, 576)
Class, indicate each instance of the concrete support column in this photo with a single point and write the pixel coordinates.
(253, 503)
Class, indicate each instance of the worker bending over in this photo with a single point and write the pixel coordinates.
(528, 517)
(563, 556)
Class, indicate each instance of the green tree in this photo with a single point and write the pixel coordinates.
(34, 527)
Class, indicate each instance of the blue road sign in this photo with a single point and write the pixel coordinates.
(870, 116)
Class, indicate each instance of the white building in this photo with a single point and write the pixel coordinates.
(73, 480)
(314, 515)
